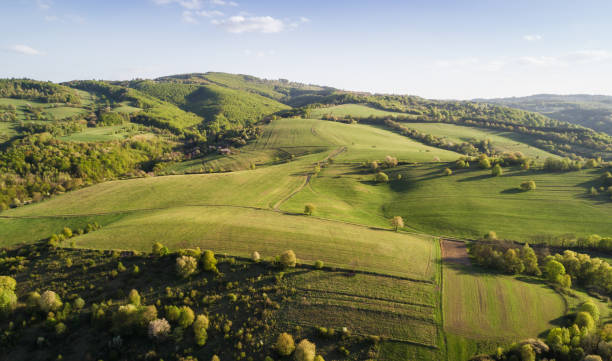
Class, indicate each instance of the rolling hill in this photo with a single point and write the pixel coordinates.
(591, 111)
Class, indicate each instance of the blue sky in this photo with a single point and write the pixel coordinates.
(435, 49)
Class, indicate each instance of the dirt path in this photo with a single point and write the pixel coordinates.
(307, 179)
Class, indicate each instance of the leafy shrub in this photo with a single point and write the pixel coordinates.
(8, 302)
(284, 344)
(186, 317)
(591, 308)
(49, 301)
(528, 186)
(60, 328)
(381, 177)
(134, 298)
(209, 262)
(147, 314)
(288, 259)
(447, 171)
(318, 264)
(309, 209)
(7, 283)
(255, 256)
(173, 313)
(200, 325)
(215, 358)
(78, 303)
(305, 351)
(319, 358)
(159, 249)
(159, 329)
(186, 266)
(497, 170)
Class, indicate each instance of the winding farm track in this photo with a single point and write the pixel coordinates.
(307, 179)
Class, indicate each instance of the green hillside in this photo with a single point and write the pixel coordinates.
(591, 111)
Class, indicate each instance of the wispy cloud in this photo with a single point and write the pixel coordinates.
(532, 37)
(251, 24)
(187, 4)
(223, 3)
(43, 4)
(24, 49)
(574, 58)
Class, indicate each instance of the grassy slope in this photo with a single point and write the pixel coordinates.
(354, 110)
(466, 204)
(501, 141)
(480, 305)
(102, 134)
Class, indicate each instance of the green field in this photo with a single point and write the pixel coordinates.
(354, 110)
(102, 134)
(501, 141)
(480, 305)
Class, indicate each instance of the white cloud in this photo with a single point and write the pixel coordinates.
(544, 61)
(223, 3)
(251, 24)
(304, 19)
(187, 4)
(210, 14)
(589, 56)
(43, 4)
(532, 37)
(188, 17)
(24, 49)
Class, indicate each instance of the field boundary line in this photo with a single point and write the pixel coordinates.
(365, 297)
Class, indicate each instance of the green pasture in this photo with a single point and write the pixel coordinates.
(354, 110)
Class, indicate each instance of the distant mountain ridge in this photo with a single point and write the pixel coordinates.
(591, 111)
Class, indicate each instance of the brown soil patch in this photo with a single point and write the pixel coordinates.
(454, 252)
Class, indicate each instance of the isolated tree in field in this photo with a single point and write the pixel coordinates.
(287, 259)
(528, 186)
(397, 222)
(374, 166)
(255, 257)
(284, 344)
(390, 161)
(305, 351)
(309, 209)
(491, 236)
(381, 177)
(447, 171)
(497, 170)
(159, 249)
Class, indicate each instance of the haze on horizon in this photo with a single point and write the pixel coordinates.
(434, 49)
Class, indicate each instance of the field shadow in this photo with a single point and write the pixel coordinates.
(511, 191)
(475, 178)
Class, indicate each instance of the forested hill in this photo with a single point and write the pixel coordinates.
(592, 111)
